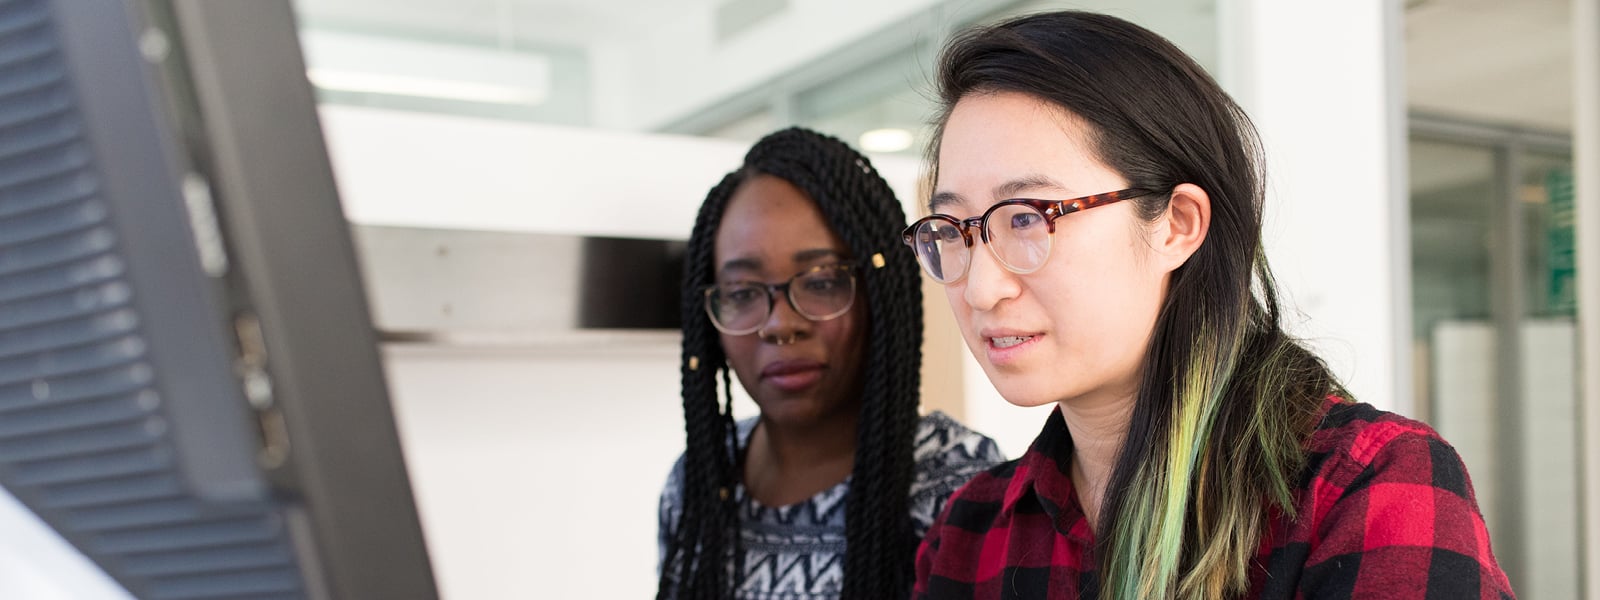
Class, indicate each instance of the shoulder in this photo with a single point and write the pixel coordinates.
(675, 474)
(1355, 440)
(989, 485)
(1386, 499)
(669, 509)
(947, 456)
(975, 506)
(672, 490)
(1346, 423)
(744, 427)
(984, 487)
(953, 545)
(941, 440)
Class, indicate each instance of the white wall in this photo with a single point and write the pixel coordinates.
(428, 170)
(537, 469)
(1321, 81)
(439, 171)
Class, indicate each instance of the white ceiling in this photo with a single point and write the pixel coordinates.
(1500, 61)
(1506, 62)
(557, 22)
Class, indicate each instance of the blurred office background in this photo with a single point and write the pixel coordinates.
(1423, 217)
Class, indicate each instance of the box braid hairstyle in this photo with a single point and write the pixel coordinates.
(863, 211)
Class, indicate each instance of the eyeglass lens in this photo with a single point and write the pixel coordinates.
(819, 294)
(1018, 235)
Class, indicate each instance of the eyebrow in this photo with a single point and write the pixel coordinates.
(815, 254)
(803, 256)
(1000, 192)
(741, 264)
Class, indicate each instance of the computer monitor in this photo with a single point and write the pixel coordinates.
(190, 392)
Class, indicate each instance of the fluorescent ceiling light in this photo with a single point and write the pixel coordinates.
(401, 85)
(397, 66)
(885, 140)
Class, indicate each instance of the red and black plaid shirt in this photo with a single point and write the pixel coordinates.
(1385, 511)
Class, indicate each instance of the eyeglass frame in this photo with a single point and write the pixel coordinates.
(1051, 209)
(786, 288)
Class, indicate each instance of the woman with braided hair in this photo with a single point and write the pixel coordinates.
(796, 281)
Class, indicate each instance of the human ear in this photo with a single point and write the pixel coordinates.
(1183, 227)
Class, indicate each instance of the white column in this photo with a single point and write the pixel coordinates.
(1586, 175)
(1323, 83)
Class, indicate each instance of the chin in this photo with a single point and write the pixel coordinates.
(1021, 385)
(791, 410)
(1027, 401)
(1022, 393)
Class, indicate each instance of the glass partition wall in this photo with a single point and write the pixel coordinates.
(1495, 333)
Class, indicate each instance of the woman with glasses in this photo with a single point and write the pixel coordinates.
(796, 281)
(1096, 223)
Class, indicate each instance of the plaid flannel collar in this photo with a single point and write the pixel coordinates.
(1043, 481)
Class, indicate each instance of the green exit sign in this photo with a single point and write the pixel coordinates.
(1559, 241)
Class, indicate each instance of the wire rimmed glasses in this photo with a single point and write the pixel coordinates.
(1017, 232)
(818, 294)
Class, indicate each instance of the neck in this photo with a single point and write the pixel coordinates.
(1098, 426)
(785, 464)
(791, 447)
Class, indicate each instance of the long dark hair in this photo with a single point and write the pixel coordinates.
(862, 210)
(1226, 398)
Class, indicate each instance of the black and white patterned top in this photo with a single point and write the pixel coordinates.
(796, 552)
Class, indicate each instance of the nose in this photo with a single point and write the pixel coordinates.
(988, 283)
(784, 322)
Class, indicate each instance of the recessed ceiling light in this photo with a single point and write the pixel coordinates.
(400, 85)
(890, 139)
(377, 65)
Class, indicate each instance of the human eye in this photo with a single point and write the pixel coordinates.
(820, 284)
(934, 232)
(740, 294)
(1024, 219)
(825, 281)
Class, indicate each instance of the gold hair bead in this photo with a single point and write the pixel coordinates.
(723, 492)
(877, 260)
(694, 363)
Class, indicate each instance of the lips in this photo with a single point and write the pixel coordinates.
(1004, 337)
(1009, 341)
(793, 375)
(1005, 345)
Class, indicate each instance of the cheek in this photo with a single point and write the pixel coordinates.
(740, 352)
(1107, 293)
(846, 334)
(956, 295)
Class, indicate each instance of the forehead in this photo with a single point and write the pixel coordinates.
(995, 139)
(771, 221)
